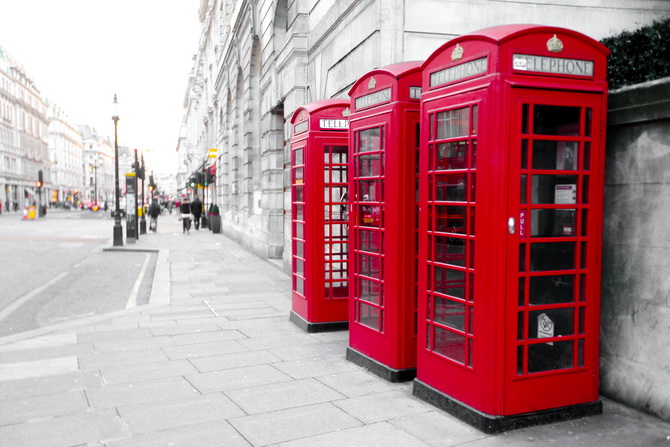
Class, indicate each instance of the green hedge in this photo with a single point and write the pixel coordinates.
(639, 56)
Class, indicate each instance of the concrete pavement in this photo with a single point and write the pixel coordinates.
(214, 361)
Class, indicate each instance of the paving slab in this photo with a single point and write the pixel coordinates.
(146, 371)
(203, 349)
(114, 335)
(381, 434)
(235, 360)
(357, 383)
(437, 428)
(316, 366)
(138, 392)
(204, 337)
(135, 344)
(42, 353)
(175, 413)
(173, 328)
(294, 423)
(78, 429)
(383, 406)
(107, 359)
(35, 386)
(280, 396)
(232, 379)
(38, 368)
(24, 409)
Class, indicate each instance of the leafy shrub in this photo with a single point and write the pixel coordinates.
(639, 56)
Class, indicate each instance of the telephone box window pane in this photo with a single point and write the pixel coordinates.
(585, 189)
(473, 158)
(555, 155)
(449, 282)
(450, 313)
(370, 241)
(587, 156)
(297, 157)
(519, 360)
(299, 285)
(548, 357)
(298, 175)
(336, 155)
(300, 249)
(522, 257)
(451, 155)
(298, 192)
(370, 266)
(299, 266)
(556, 120)
(299, 212)
(370, 140)
(369, 216)
(523, 190)
(370, 190)
(453, 123)
(580, 353)
(450, 219)
(369, 316)
(475, 119)
(450, 345)
(582, 320)
(338, 174)
(449, 250)
(369, 290)
(525, 113)
(520, 328)
(588, 122)
(554, 189)
(551, 323)
(299, 232)
(552, 256)
(582, 287)
(451, 188)
(471, 320)
(522, 291)
(553, 223)
(552, 289)
(471, 257)
(524, 154)
(371, 165)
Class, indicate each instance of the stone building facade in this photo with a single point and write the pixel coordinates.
(23, 135)
(65, 149)
(258, 60)
(97, 164)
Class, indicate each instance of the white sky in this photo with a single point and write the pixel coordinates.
(80, 52)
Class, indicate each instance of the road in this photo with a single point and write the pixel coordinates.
(53, 270)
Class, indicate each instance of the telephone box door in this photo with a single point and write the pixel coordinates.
(553, 243)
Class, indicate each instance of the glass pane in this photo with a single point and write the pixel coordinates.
(556, 120)
(552, 289)
(451, 188)
(450, 313)
(522, 291)
(471, 319)
(370, 140)
(553, 223)
(369, 290)
(339, 154)
(519, 360)
(524, 118)
(475, 119)
(587, 156)
(552, 256)
(554, 189)
(449, 345)
(524, 154)
(451, 155)
(299, 230)
(299, 212)
(370, 165)
(580, 353)
(585, 189)
(449, 250)
(369, 216)
(588, 122)
(371, 241)
(370, 190)
(297, 157)
(370, 266)
(551, 323)
(560, 155)
(548, 357)
(449, 282)
(369, 316)
(299, 249)
(298, 194)
(524, 189)
(299, 285)
(450, 219)
(473, 158)
(522, 257)
(453, 123)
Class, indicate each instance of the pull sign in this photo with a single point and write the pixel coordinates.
(522, 223)
(545, 327)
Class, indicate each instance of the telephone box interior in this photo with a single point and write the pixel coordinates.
(511, 186)
(319, 162)
(384, 143)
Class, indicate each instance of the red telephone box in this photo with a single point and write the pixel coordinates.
(319, 160)
(384, 142)
(511, 170)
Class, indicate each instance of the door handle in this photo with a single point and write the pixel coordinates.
(511, 225)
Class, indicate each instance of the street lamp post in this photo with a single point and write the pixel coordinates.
(118, 231)
(143, 221)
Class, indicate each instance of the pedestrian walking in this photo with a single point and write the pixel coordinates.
(185, 215)
(196, 210)
(154, 212)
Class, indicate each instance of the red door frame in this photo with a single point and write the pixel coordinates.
(319, 294)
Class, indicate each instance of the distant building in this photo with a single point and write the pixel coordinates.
(258, 60)
(97, 166)
(23, 136)
(66, 152)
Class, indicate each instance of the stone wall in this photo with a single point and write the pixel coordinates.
(635, 317)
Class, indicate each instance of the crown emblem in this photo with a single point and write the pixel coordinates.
(346, 112)
(555, 45)
(372, 83)
(457, 54)
(302, 116)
